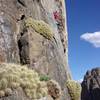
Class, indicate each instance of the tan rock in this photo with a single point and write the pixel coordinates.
(45, 56)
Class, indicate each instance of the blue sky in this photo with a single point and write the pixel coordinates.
(84, 35)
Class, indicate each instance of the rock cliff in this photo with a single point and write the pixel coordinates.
(33, 33)
(91, 85)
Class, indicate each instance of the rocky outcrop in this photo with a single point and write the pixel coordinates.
(17, 95)
(91, 85)
(30, 44)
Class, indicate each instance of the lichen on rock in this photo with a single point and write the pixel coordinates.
(40, 26)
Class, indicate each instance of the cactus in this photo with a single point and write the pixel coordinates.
(74, 89)
(2, 93)
(40, 27)
(8, 91)
(3, 83)
(14, 85)
(14, 76)
(54, 89)
(35, 86)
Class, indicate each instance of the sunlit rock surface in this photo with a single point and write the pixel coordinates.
(25, 45)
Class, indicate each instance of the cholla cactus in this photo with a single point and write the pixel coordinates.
(54, 89)
(14, 85)
(74, 89)
(40, 26)
(8, 91)
(3, 83)
(2, 93)
(13, 76)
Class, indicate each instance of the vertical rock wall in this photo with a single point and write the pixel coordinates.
(30, 47)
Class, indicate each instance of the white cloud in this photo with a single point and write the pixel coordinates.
(93, 38)
(80, 81)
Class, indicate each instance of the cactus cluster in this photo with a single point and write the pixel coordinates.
(74, 89)
(13, 76)
(54, 90)
(40, 26)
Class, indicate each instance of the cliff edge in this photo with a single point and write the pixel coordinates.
(33, 33)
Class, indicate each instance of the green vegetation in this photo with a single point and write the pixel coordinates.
(40, 26)
(74, 89)
(44, 78)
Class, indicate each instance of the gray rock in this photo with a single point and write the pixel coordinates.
(91, 85)
(17, 95)
(45, 56)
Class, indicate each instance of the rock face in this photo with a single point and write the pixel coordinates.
(20, 95)
(91, 85)
(17, 95)
(28, 45)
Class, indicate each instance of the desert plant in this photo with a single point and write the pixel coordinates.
(2, 93)
(40, 26)
(3, 83)
(44, 78)
(14, 76)
(54, 89)
(74, 89)
(8, 91)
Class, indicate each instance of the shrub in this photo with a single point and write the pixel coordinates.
(44, 78)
